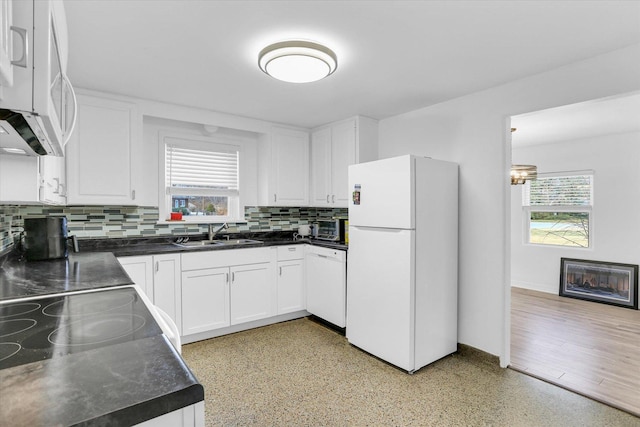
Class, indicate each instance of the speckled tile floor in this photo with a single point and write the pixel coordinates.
(300, 373)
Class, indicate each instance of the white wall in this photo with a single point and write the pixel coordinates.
(615, 234)
(474, 132)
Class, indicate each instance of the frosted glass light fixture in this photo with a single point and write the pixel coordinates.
(297, 61)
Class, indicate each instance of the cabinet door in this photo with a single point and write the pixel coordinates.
(18, 179)
(251, 292)
(99, 152)
(343, 154)
(291, 296)
(6, 20)
(205, 300)
(166, 286)
(52, 180)
(290, 167)
(321, 167)
(140, 269)
(326, 288)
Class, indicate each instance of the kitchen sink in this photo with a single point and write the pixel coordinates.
(238, 242)
(232, 242)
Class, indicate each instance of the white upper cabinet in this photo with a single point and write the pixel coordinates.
(52, 180)
(6, 71)
(284, 168)
(333, 149)
(103, 152)
(32, 180)
(321, 167)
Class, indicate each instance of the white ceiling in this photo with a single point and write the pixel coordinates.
(393, 56)
(608, 116)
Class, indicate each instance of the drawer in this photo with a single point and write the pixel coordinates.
(286, 253)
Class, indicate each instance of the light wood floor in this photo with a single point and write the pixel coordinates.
(590, 348)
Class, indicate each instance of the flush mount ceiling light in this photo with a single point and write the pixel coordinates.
(297, 61)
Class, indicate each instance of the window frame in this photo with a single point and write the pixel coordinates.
(528, 209)
(197, 142)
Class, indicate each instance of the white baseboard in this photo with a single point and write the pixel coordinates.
(243, 327)
(540, 287)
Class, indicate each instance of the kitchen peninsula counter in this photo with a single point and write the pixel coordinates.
(123, 382)
(81, 271)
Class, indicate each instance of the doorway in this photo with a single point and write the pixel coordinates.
(583, 346)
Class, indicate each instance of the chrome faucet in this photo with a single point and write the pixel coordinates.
(212, 232)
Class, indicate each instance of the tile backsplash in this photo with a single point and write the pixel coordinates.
(88, 222)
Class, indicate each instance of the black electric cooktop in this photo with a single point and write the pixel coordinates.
(56, 326)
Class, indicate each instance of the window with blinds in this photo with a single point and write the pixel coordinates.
(573, 190)
(202, 182)
(558, 209)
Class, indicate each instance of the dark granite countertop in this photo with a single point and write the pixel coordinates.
(118, 384)
(81, 271)
(159, 245)
(123, 384)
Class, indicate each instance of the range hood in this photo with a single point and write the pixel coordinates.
(24, 133)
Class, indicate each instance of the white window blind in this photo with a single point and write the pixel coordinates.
(201, 172)
(570, 190)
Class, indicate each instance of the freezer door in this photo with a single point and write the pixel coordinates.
(382, 193)
(380, 291)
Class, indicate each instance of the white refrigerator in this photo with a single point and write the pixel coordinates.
(402, 270)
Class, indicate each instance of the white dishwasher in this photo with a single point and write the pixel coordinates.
(327, 284)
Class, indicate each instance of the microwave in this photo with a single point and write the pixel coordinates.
(331, 230)
(38, 106)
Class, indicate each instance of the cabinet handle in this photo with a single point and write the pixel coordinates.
(24, 59)
(275, 197)
(327, 198)
(133, 194)
(74, 99)
(157, 266)
(293, 249)
(233, 277)
(281, 271)
(333, 198)
(227, 277)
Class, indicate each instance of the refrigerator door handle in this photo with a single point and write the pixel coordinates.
(381, 229)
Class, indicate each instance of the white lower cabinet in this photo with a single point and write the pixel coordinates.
(189, 416)
(140, 269)
(225, 288)
(205, 291)
(251, 292)
(159, 276)
(205, 300)
(290, 279)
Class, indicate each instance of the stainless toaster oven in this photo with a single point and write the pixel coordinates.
(332, 230)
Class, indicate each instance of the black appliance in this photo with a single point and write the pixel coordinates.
(56, 326)
(46, 238)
